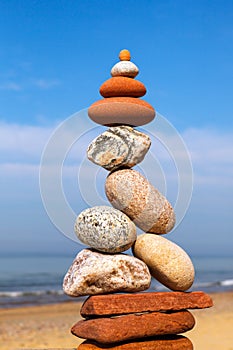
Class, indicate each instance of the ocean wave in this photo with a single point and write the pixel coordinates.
(224, 283)
(52, 292)
(18, 294)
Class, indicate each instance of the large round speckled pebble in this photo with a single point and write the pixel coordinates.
(94, 273)
(106, 229)
(168, 262)
(119, 146)
(121, 111)
(122, 86)
(130, 192)
(124, 68)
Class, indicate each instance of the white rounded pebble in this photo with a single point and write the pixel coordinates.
(125, 69)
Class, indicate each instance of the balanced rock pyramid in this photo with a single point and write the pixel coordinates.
(118, 314)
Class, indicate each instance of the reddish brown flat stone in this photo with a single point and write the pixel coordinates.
(121, 111)
(116, 304)
(116, 329)
(122, 86)
(175, 342)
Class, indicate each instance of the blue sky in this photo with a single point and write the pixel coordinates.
(54, 56)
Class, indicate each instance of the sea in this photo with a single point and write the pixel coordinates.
(37, 279)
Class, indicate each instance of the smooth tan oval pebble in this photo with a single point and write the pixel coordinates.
(168, 262)
(130, 192)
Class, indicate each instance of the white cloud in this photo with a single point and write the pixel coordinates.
(212, 155)
(21, 147)
(46, 83)
(211, 151)
(11, 86)
(16, 170)
(17, 141)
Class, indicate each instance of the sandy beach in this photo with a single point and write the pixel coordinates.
(48, 326)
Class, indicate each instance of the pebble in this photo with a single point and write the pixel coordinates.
(133, 326)
(130, 192)
(125, 68)
(105, 229)
(116, 304)
(119, 146)
(121, 111)
(168, 262)
(170, 342)
(124, 55)
(94, 273)
(122, 86)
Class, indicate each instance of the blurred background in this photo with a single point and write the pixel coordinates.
(54, 56)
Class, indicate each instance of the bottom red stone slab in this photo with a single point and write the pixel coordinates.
(133, 326)
(174, 342)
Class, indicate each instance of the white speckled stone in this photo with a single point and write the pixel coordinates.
(94, 273)
(168, 262)
(130, 192)
(119, 146)
(124, 68)
(105, 229)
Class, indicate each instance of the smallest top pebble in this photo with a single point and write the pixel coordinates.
(124, 55)
(124, 67)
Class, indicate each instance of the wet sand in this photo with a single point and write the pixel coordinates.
(48, 326)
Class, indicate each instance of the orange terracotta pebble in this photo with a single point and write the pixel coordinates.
(124, 55)
(122, 86)
(121, 111)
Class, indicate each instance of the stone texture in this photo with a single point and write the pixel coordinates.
(124, 55)
(128, 327)
(116, 304)
(119, 146)
(105, 229)
(124, 68)
(168, 262)
(169, 342)
(122, 86)
(95, 273)
(114, 111)
(130, 192)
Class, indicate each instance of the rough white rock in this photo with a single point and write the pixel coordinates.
(168, 262)
(94, 273)
(119, 146)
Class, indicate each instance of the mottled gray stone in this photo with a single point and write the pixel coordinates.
(168, 262)
(130, 192)
(119, 146)
(105, 229)
(94, 273)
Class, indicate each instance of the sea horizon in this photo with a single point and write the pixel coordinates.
(36, 278)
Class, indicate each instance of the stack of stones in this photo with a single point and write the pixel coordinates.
(114, 319)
